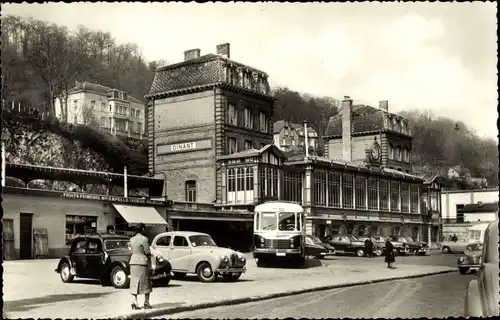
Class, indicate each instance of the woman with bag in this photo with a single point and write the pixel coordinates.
(140, 269)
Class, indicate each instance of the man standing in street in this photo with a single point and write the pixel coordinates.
(368, 247)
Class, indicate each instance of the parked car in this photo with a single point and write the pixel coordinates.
(378, 245)
(471, 259)
(316, 248)
(400, 245)
(483, 293)
(453, 246)
(106, 258)
(417, 247)
(195, 252)
(346, 244)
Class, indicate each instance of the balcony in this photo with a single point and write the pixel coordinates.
(121, 115)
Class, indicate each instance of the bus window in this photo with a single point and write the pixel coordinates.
(286, 221)
(267, 221)
(257, 221)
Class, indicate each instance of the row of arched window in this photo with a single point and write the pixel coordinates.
(399, 153)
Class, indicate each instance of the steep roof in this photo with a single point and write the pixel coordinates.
(280, 124)
(364, 119)
(205, 70)
(255, 152)
(89, 86)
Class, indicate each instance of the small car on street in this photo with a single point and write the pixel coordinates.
(417, 247)
(316, 248)
(453, 246)
(346, 244)
(378, 245)
(106, 258)
(471, 259)
(197, 253)
(400, 245)
(483, 293)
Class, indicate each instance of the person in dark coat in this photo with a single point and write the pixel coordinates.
(389, 254)
(370, 247)
(140, 269)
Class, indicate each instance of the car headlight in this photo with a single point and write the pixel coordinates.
(291, 240)
(261, 240)
(160, 259)
(480, 259)
(225, 259)
(461, 259)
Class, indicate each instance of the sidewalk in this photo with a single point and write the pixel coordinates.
(48, 297)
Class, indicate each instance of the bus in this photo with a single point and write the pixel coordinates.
(476, 232)
(279, 232)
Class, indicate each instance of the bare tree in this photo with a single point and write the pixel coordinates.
(89, 118)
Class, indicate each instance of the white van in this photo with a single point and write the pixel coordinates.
(476, 232)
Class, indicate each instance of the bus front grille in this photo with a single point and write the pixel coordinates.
(277, 243)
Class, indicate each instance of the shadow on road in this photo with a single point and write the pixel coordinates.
(31, 303)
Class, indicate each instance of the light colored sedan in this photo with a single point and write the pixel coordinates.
(195, 252)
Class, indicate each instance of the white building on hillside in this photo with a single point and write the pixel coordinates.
(110, 109)
(454, 202)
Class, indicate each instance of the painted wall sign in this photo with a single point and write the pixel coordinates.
(84, 196)
(185, 146)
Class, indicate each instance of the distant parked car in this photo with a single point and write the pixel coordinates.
(453, 246)
(471, 260)
(195, 252)
(378, 245)
(347, 244)
(483, 293)
(400, 245)
(316, 248)
(417, 247)
(106, 258)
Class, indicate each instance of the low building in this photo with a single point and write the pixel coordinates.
(480, 212)
(454, 201)
(109, 109)
(290, 136)
(62, 215)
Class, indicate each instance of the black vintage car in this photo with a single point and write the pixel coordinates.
(417, 247)
(346, 244)
(106, 258)
(471, 259)
(316, 248)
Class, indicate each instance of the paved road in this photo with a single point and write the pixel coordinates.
(431, 297)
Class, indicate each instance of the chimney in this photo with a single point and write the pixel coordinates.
(191, 54)
(224, 50)
(384, 105)
(347, 128)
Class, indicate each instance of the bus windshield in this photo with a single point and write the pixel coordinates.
(283, 221)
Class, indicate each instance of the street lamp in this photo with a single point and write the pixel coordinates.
(5, 137)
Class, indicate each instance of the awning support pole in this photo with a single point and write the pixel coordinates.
(125, 182)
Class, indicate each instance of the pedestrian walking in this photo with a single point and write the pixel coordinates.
(370, 247)
(140, 269)
(389, 254)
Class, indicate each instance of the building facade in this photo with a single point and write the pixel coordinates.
(454, 201)
(62, 214)
(109, 109)
(210, 124)
(289, 136)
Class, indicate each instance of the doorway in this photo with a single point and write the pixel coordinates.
(25, 235)
(8, 240)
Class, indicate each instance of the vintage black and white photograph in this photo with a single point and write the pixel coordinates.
(249, 160)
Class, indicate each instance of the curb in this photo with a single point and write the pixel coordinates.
(172, 310)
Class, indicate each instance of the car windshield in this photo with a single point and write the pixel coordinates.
(316, 239)
(354, 238)
(409, 239)
(268, 221)
(119, 244)
(400, 239)
(475, 247)
(202, 240)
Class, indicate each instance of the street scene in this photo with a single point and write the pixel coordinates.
(267, 160)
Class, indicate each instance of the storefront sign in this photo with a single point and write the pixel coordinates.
(84, 196)
(185, 146)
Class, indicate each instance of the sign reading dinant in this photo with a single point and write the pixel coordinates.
(185, 146)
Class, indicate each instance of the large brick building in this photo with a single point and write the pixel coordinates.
(210, 123)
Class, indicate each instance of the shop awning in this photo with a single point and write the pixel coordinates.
(140, 214)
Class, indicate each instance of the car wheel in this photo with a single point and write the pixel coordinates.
(65, 273)
(163, 281)
(463, 270)
(378, 253)
(360, 252)
(446, 250)
(231, 277)
(205, 272)
(179, 275)
(119, 278)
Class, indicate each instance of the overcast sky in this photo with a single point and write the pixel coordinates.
(436, 56)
